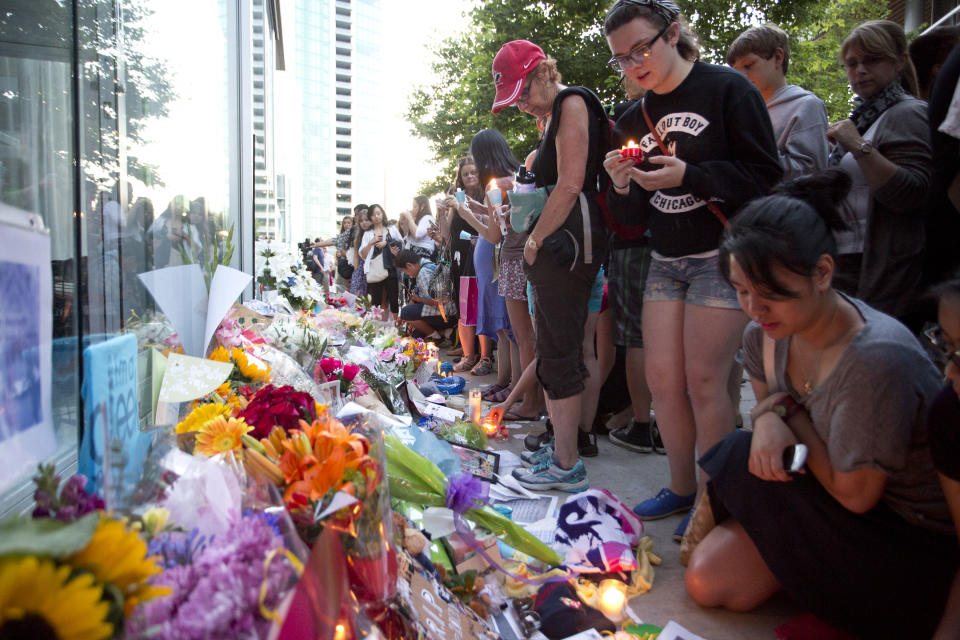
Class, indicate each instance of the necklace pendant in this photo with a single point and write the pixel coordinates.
(807, 387)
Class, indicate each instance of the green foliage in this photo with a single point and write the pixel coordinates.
(447, 113)
(815, 51)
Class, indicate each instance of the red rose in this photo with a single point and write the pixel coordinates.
(350, 371)
(278, 406)
(329, 365)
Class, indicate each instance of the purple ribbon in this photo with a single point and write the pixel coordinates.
(466, 492)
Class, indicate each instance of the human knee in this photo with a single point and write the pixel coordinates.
(703, 581)
(706, 385)
(665, 377)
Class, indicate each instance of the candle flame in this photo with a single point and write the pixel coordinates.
(630, 145)
(492, 185)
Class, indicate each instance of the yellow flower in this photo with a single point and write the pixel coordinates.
(119, 557)
(223, 390)
(220, 354)
(155, 520)
(249, 369)
(38, 598)
(221, 435)
(202, 415)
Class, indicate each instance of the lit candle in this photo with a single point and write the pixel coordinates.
(612, 595)
(493, 193)
(631, 150)
(460, 196)
(476, 404)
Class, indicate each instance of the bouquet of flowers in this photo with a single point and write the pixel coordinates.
(298, 337)
(329, 369)
(78, 576)
(248, 372)
(279, 269)
(228, 586)
(320, 466)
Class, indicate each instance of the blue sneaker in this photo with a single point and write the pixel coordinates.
(682, 527)
(666, 503)
(535, 458)
(547, 475)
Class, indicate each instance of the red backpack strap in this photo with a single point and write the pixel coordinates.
(712, 206)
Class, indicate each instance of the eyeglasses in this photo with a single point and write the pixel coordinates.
(867, 61)
(637, 55)
(935, 336)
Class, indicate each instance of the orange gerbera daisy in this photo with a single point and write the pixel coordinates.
(221, 435)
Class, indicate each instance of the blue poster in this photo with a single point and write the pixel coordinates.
(113, 449)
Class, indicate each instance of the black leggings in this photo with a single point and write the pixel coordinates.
(388, 288)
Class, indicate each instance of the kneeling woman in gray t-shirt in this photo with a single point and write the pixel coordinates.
(861, 536)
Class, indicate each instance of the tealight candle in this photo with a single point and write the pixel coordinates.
(631, 150)
(460, 195)
(612, 597)
(476, 404)
(493, 193)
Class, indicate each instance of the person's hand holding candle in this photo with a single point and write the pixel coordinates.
(632, 150)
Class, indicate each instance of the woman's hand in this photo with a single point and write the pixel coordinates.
(618, 168)
(845, 134)
(671, 175)
(394, 250)
(771, 436)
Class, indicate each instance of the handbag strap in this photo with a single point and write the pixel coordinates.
(587, 230)
(712, 206)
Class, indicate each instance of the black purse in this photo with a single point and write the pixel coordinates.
(344, 268)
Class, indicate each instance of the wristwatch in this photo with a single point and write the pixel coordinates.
(786, 408)
(532, 244)
(865, 148)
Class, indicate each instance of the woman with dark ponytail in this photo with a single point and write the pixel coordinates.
(861, 535)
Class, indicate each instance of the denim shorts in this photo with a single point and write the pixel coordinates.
(691, 280)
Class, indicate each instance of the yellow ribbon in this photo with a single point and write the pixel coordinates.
(269, 614)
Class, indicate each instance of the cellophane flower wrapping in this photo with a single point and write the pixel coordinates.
(371, 556)
(285, 370)
(230, 552)
(415, 479)
(298, 337)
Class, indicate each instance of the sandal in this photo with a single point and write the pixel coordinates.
(483, 368)
(496, 393)
(466, 363)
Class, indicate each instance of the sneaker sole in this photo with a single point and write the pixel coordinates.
(566, 487)
(629, 445)
(660, 516)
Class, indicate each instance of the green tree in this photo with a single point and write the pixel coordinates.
(448, 112)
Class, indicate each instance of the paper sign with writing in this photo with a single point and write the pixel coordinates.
(188, 378)
(110, 393)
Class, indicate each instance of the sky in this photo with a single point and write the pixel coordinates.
(419, 23)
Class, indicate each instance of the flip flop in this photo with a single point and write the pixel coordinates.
(516, 417)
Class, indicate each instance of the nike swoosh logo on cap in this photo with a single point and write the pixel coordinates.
(528, 64)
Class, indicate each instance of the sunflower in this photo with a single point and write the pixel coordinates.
(202, 415)
(248, 369)
(220, 354)
(118, 556)
(221, 435)
(38, 598)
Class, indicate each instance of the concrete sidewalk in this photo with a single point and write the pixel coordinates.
(634, 477)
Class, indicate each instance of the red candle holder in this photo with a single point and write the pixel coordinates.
(632, 150)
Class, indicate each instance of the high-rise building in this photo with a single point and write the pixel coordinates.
(338, 71)
(265, 60)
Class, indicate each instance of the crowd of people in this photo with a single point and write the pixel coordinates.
(752, 235)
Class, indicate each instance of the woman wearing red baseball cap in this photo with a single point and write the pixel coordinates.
(565, 245)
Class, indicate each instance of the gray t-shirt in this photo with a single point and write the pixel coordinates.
(871, 411)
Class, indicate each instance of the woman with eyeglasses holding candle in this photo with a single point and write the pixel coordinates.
(565, 246)
(944, 426)
(884, 146)
(861, 534)
(717, 153)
